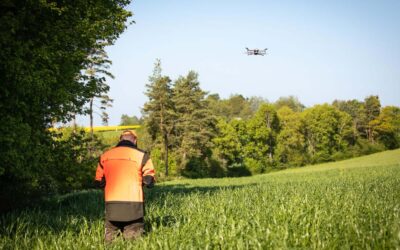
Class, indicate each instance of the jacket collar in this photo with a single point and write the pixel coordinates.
(126, 143)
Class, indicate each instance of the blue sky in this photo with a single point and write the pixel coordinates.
(317, 50)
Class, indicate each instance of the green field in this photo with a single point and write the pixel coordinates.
(349, 204)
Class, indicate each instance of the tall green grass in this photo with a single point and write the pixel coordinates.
(347, 204)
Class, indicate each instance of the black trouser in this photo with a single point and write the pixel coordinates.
(129, 229)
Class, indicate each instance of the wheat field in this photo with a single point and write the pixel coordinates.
(347, 204)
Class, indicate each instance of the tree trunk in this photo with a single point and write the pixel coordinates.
(74, 124)
(91, 117)
(166, 154)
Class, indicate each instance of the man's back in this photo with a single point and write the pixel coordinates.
(124, 170)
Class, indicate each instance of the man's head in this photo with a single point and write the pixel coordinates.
(129, 135)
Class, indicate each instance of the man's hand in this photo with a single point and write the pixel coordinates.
(100, 184)
(148, 181)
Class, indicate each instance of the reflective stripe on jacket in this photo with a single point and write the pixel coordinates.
(124, 169)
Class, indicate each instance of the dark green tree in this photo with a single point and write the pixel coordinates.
(194, 124)
(158, 111)
(44, 49)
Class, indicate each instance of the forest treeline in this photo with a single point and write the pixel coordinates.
(196, 134)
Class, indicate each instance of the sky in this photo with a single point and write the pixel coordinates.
(318, 51)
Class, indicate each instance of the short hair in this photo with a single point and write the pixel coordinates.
(127, 135)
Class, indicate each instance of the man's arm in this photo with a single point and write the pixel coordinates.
(148, 171)
(100, 179)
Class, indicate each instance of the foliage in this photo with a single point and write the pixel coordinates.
(386, 127)
(194, 125)
(95, 76)
(75, 162)
(290, 148)
(291, 102)
(130, 120)
(352, 204)
(158, 111)
(44, 50)
(235, 107)
(262, 132)
(372, 110)
(326, 131)
(228, 143)
(356, 110)
(70, 166)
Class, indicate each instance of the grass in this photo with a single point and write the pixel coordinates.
(348, 204)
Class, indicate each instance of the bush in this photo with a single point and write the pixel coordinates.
(216, 168)
(238, 170)
(62, 163)
(254, 166)
(364, 147)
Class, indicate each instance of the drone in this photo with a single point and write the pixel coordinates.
(256, 52)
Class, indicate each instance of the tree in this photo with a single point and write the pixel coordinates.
(356, 110)
(291, 101)
(96, 73)
(229, 146)
(238, 107)
(158, 111)
(372, 110)
(194, 124)
(228, 141)
(326, 131)
(255, 102)
(262, 129)
(44, 51)
(386, 127)
(105, 102)
(290, 141)
(130, 120)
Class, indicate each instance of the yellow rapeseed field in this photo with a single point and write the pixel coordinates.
(104, 128)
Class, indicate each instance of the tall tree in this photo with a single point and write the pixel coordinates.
(263, 129)
(228, 141)
(290, 141)
(105, 102)
(372, 110)
(194, 125)
(158, 110)
(326, 131)
(44, 50)
(96, 75)
(356, 110)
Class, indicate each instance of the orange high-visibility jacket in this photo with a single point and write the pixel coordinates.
(122, 171)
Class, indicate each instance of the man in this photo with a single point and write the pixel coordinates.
(122, 172)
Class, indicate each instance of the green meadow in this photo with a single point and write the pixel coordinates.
(348, 204)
